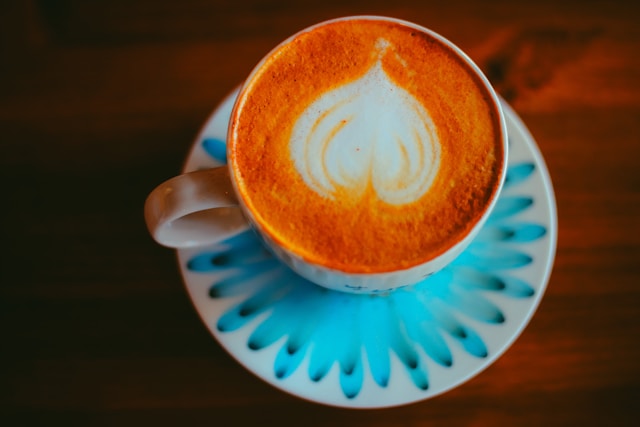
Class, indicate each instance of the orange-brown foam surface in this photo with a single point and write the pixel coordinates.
(368, 235)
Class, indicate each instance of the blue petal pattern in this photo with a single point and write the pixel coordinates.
(518, 173)
(216, 148)
(520, 232)
(509, 206)
(336, 330)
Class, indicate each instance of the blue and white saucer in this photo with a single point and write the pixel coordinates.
(361, 351)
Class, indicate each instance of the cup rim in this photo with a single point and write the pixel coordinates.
(474, 69)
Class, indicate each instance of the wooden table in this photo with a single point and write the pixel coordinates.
(100, 101)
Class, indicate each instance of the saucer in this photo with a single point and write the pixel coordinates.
(373, 351)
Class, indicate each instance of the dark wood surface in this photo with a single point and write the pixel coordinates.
(99, 102)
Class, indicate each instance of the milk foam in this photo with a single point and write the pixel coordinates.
(368, 132)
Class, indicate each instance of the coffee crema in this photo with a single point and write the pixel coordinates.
(365, 146)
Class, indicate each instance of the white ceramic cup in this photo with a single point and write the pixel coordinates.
(202, 207)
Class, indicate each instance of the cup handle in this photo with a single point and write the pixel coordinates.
(194, 209)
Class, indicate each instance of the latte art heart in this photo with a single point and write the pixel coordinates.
(367, 133)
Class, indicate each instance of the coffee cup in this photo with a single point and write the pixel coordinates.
(366, 152)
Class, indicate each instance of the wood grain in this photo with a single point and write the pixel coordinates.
(99, 102)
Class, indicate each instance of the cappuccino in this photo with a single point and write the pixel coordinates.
(365, 146)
